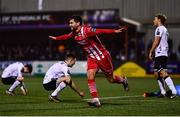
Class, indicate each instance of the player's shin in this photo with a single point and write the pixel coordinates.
(15, 84)
(170, 84)
(122, 80)
(23, 88)
(118, 79)
(92, 88)
(59, 88)
(94, 94)
(161, 85)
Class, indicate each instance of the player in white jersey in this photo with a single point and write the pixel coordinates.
(58, 77)
(160, 48)
(13, 75)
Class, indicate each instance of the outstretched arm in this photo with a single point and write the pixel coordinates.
(62, 37)
(91, 31)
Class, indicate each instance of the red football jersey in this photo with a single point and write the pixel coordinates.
(87, 39)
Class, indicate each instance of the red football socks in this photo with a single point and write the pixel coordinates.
(92, 88)
(118, 79)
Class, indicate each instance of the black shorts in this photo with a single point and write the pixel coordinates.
(8, 80)
(50, 85)
(160, 63)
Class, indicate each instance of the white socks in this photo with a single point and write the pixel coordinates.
(161, 86)
(170, 84)
(15, 84)
(60, 87)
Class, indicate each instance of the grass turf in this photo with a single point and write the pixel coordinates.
(36, 102)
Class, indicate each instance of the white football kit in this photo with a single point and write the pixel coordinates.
(162, 49)
(13, 70)
(59, 69)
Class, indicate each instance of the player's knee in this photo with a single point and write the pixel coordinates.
(110, 80)
(163, 73)
(20, 79)
(91, 74)
(156, 75)
(90, 77)
(68, 81)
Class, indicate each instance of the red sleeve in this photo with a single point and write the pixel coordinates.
(64, 37)
(92, 31)
(104, 31)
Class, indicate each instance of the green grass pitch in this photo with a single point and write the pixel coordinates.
(123, 103)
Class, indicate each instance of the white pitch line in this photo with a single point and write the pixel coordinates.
(118, 97)
(135, 96)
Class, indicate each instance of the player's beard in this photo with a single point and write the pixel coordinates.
(73, 28)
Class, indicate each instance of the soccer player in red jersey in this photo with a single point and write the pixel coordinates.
(97, 56)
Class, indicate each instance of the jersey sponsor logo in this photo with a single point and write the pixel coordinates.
(90, 48)
(82, 42)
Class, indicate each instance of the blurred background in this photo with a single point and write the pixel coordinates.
(26, 24)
